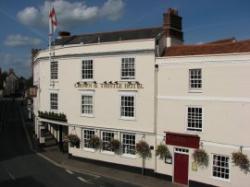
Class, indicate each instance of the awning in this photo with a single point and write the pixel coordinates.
(183, 140)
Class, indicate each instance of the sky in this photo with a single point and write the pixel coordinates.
(24, 23)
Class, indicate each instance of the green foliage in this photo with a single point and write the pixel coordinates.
(201, 157)
(53, 116)
(74, 140)
(163, 151)
(241, 160)
(115, 145)
(95, 142)
(143, 149)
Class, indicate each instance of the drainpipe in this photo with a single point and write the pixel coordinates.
(155, 107)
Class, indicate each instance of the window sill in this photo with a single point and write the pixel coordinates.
(88, 80)
(220, 179)
(195, 91)
(128, 156)
(127, 118)
(128, 80)
(108, 152)
(87, 116)
(89, 150)
(193, 132)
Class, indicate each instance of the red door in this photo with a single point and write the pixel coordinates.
(181, 168)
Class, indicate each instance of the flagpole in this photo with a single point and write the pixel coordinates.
(50, 34)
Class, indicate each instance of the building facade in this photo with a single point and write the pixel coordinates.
(146, 85)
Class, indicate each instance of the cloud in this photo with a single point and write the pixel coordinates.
(71, 13)
(20, 64)
(19, 41)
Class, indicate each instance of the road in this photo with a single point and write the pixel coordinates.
(19, 166)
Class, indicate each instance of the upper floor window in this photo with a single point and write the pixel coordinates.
(128, 68)
(128, 106)
(128, 144)
(87, 104)
(221, 166)
(194, 118)
(54, 101)
(195, 79)
(54, 70)
(87, 69)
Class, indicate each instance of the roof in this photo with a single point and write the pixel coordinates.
(230, 46)
(145, 33)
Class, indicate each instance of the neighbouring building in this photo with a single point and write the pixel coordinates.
(11, 84)
(147, 85)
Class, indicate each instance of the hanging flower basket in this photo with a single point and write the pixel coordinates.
(201, 157)
(95, 142)
(241, 160)
(143, 149)
(163, 152)
(115, 145)
(74, 140)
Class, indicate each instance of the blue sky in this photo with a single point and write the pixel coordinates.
(24, 23)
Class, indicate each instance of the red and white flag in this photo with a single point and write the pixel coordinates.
(52, 21)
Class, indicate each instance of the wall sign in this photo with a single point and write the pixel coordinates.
(110, 84)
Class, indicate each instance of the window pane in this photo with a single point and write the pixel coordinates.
(194, 119)
(221, 166)
(195, 79)
(87, 69)
(128, 68)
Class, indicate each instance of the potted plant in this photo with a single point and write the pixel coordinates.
(241, 160)
(162, 151)
(95, 142)
(201, 157)
(143, 149)
(74, 140)
(115, 145)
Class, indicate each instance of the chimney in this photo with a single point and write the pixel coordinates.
(64, 34)
(172, 26)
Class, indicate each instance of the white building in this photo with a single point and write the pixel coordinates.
(145, 85)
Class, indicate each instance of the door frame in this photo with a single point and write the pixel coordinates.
(184, 151)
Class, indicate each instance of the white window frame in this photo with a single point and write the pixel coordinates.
(84, 139)
(195, 129)
(54, 72)
(104, 141)
(88, 94)
(128, 78)
(87, 79)
(126, 154)
(57, 101)
(212, 168)
(127, 94)
(194, 89)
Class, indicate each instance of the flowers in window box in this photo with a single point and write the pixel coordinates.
(241, 160)
(162, 151)
(201, 157)
(53, 116)
(143, 149)
(74, 140)
(115, 145)
(95, 142)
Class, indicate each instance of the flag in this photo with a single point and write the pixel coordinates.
(52, 21)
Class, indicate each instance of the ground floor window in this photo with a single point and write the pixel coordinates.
(128, 143)
(106, 139)
(87, 135)
(221, 166)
